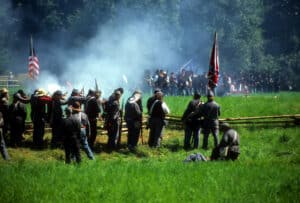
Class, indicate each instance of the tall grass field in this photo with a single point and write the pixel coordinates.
(266, 171)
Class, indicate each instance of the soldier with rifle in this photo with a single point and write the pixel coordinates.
(133, 118)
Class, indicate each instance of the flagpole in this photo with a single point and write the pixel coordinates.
(31, 45)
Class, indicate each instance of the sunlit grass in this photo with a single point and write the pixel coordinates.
(266, 171)
(243, 106)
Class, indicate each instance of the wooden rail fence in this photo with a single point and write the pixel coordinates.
(174, 122)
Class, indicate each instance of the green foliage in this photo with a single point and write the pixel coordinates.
(255, 35)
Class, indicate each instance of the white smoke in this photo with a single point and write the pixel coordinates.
(114, 53)
(118, 51)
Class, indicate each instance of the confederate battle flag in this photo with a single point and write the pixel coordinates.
(33, 62)
(213, 72)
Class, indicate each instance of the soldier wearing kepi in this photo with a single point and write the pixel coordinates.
(192, 122)
(211, 113)
(133, 118)
(228, 148)
(157, 113)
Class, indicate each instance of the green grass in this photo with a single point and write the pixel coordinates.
(242, 106)
(266, 171)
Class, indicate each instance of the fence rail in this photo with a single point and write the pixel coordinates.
(8, 82)
(174, 122)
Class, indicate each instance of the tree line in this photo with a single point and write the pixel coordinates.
(257, 36)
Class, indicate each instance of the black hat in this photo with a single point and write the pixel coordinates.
(91, 92)
(197, 95)
(120, 89)
(58, 93)
(117, 92)
(21, 92)
(75, 92)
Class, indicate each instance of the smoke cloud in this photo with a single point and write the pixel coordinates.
(117, 56)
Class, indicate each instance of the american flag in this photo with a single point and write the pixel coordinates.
(33, 62)
(213, 72)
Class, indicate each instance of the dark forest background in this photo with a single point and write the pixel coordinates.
(258, 36)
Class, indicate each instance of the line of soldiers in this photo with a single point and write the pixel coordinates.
(79, 127)
(182, 83)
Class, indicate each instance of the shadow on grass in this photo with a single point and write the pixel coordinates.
(173, 145)
(122, 149)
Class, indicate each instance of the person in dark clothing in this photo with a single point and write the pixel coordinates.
(40, 113)
(93, 110)
(4, 104)
(56, 117)
(192, 122)
(157, 113)
(17, 116)
(133, 118)
(3, 149)
(228, 148)
(71, 128)
(211, 113)
(113, 119)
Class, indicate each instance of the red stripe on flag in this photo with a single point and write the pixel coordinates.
(213, 73)
(33, 63)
